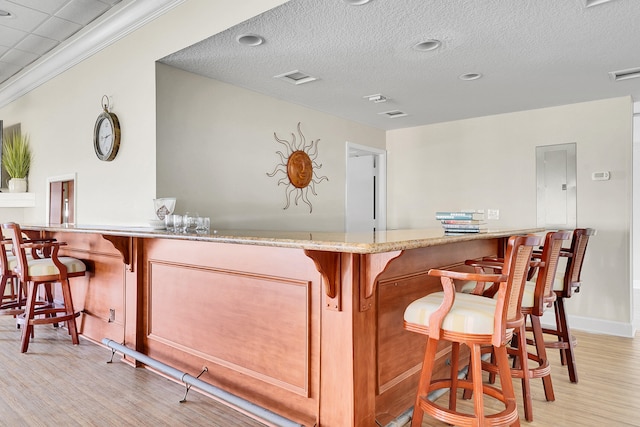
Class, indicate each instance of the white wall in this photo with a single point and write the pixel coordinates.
(60, 114)
(489, 162)
(486, 162)
(215, 146)
(636, 196)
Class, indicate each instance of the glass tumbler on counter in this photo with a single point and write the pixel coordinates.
(168, 222)
(189, 222)
(203, 224)
(176, 221)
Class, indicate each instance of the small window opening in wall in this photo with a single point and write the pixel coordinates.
(62, 200)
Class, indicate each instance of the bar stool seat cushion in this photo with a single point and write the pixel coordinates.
(46, 267)
(12, 261)
(558, 281)
(470, 314)
(528, 295)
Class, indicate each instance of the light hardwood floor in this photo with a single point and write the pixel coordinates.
(607, 394)
(59, 384)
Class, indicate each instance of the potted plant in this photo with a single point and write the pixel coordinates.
(16, 159)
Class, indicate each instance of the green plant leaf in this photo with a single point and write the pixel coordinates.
(16, 155)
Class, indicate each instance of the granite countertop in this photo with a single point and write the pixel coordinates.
(362, 242)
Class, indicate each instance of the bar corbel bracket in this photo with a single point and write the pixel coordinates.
(373, 266)
(124, 246)
(328, 265)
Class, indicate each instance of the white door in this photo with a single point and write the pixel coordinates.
(365, 203)
(360, 198)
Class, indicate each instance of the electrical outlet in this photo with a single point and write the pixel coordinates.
(112, 315)
(493, 214)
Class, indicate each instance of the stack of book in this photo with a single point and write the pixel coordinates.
(462, 222)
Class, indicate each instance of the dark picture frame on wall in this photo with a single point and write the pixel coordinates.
(2, 171)
(4, 132)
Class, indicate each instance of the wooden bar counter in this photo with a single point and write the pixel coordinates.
(307, 325)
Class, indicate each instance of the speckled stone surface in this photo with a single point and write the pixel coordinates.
(361, 243)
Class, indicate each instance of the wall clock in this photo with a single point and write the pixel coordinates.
(106, 133)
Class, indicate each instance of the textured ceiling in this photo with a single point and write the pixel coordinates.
(531, 54)
(35, 27)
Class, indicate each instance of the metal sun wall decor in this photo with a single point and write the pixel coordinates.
(299, 168)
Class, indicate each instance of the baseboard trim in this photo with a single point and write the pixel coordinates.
(596, 326)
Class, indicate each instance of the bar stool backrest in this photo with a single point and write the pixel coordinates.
(516, 266)
(574, 264)
(544, 294)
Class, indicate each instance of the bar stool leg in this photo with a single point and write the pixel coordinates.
(425, 381)
(522, 362)
(27, 332)
(68, 305)
(541, 351)
(563, 329)
(455, 361)
(476, 371)
(502, 360)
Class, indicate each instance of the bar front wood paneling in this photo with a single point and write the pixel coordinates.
(306, 325)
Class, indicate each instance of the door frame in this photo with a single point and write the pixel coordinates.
(72, 177)
(380, 159)
(570, 184)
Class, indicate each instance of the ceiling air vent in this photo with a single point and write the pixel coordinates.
(630, 73)
(393, 114)
(589, 3)
(296, 77)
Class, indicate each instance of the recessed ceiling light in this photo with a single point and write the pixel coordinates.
(5, 14)
(356, 2)
(427, 45)
(470, 76)
(250, 40)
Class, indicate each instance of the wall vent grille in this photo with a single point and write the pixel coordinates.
(630, 73)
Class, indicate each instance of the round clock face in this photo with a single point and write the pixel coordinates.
(106, 136)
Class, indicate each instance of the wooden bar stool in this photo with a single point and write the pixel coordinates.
(44, 271)
(476, 321)
(12, 303)
(538, 294)
(564, 286)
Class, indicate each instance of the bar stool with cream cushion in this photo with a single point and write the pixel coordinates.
(564, 287)
(473, 320)
(44, 271)
(538, 294)
(13, 302)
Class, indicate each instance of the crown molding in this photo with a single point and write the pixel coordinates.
(111, 27)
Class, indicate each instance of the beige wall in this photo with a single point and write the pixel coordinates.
(60, 114)
(215, 146)
(489, 162)
(636, 197)
(486, 162)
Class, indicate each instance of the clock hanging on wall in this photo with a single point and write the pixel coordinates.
(106, 133)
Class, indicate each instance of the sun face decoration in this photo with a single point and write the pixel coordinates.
(299, 167)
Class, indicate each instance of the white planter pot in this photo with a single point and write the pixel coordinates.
(18, 185)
